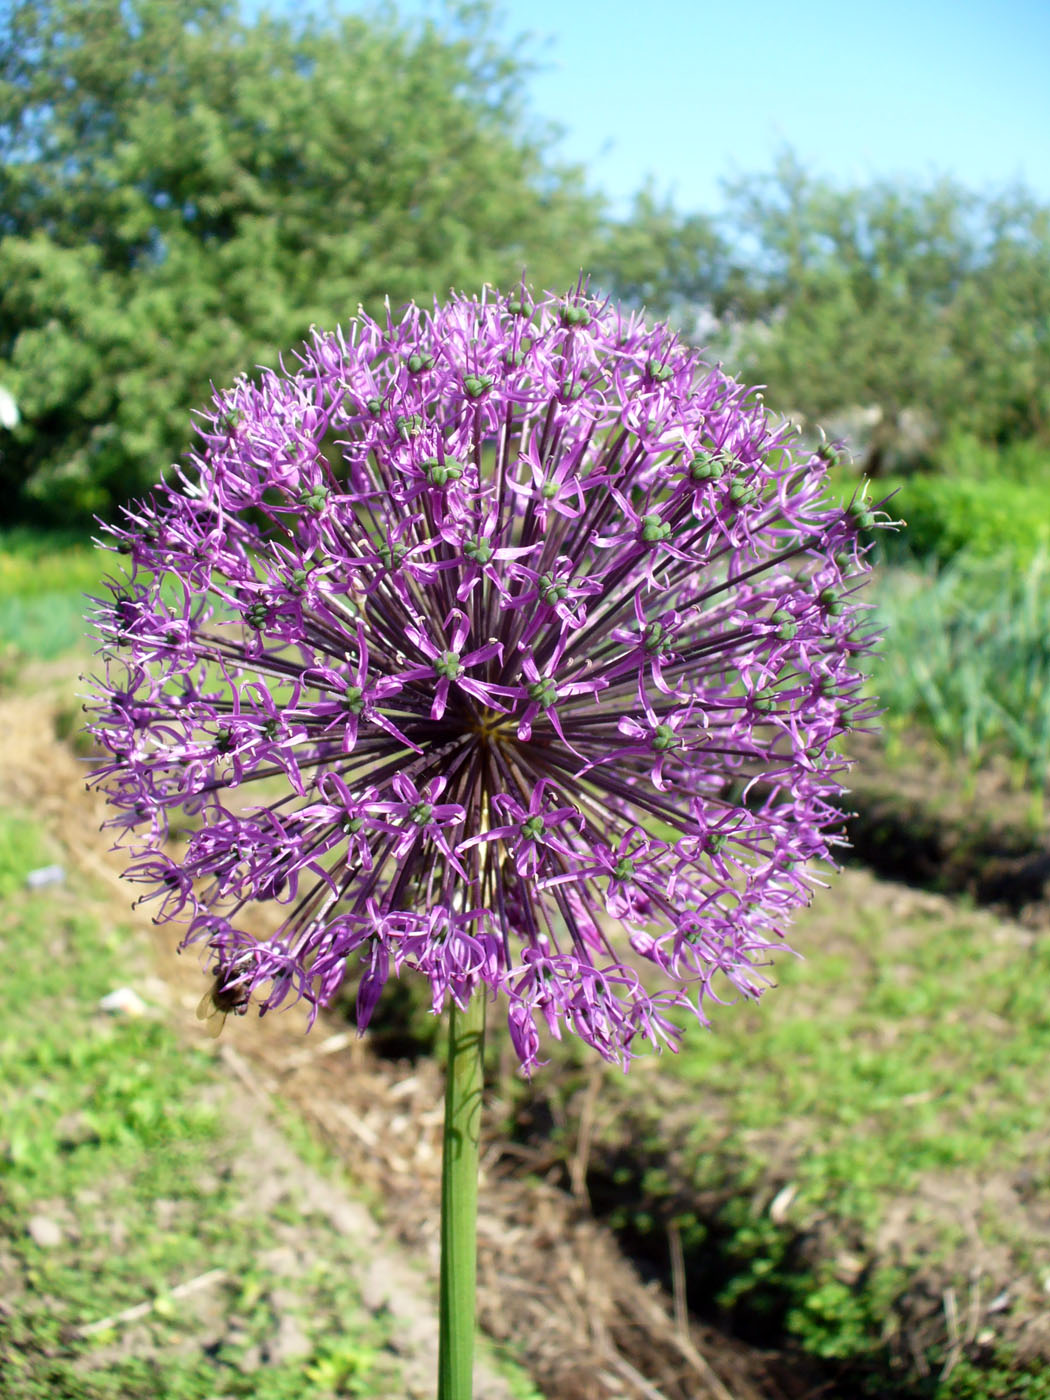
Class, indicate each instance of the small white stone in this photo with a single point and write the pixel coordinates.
(781, 1203)
(123, 1001)
(44, 1232)
(46, 875)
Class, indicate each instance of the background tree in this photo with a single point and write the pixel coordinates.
(183, 192)
(1000, 327)
(848, 297)
(929, 305)
(933, 301)
(676, 266)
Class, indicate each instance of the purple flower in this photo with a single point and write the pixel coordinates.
(508, 644)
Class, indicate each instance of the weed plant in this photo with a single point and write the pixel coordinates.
(966, 655)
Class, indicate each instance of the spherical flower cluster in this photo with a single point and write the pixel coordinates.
(507, 643)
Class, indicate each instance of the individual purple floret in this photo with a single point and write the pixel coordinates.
(508, 643)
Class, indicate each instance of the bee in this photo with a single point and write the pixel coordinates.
(219, 1001)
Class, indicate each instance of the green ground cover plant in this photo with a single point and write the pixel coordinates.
(122, 1140)
(966, 656)
(876, 1097)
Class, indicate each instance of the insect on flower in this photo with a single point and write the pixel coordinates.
(219, 1001)
(507, 644)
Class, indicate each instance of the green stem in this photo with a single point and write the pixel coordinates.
(459, 1199)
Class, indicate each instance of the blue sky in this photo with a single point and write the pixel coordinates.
(690, 91)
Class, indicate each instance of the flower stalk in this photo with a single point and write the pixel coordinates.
(459, 1199)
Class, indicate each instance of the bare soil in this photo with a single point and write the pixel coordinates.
(925, 820)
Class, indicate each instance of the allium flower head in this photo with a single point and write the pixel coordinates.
(507, 643)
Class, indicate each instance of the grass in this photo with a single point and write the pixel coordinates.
(43, 580)
(940, 1010)
(888, 1083)
(120, 1138)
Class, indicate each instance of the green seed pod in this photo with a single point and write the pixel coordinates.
(479, 550)
(440, 473)
(543, 692)
(391, 555)
(552, 590)
(655, 638)
(705, 467)
(654, 529)
(665, 738)
(409, 425)
(448, 665)
(474, 385)
(660, 373)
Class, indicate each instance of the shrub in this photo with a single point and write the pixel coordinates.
(988, 517)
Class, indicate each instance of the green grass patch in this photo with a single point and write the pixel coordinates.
(908, 1054)
(43, 582)
(943, 1014)
(35, 563)
(118, 1136)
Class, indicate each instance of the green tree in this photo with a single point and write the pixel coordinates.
(675, 265)
(1000, 328)
(929, 300)
(183, 193)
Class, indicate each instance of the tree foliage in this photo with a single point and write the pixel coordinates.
(183, 193)
(928, 304)
(676, 266)
(929, 300)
